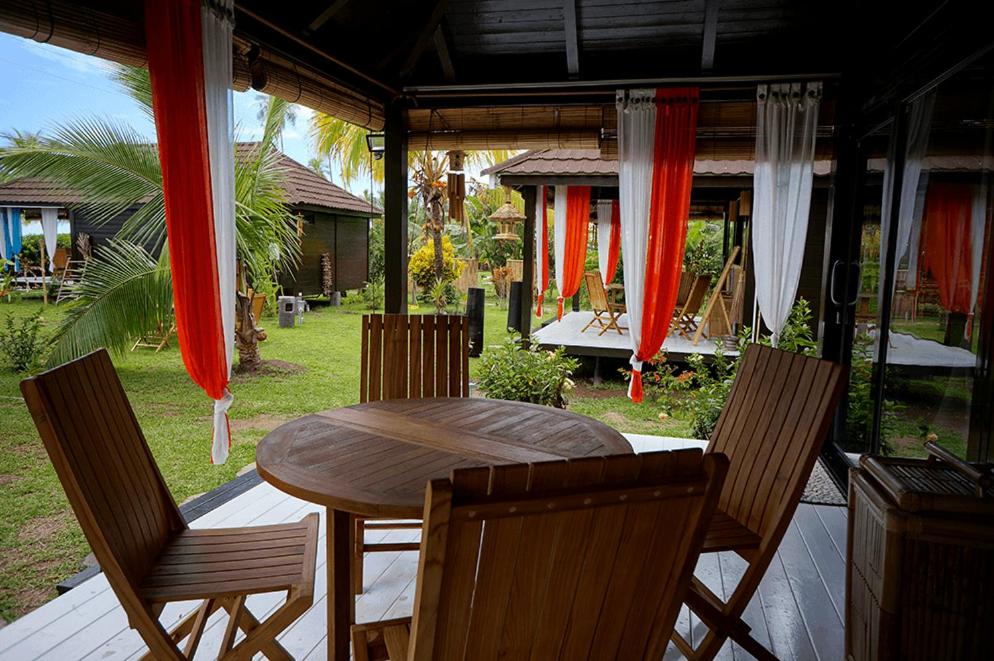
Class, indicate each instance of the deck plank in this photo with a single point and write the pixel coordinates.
(795, 612)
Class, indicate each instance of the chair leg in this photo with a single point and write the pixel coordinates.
(234, 609)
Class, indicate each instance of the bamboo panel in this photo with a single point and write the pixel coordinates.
(517, 267)
(510, 139)
(491, 118)
(469, 276)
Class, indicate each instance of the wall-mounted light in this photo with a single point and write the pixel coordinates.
(377, 144)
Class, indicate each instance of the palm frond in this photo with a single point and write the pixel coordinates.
(123, 293)
(138, 84)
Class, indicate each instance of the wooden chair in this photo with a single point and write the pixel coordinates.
(603, 304)
(716, 302)
(581, 559)
(408, 357)
(771, 429)
(143, 545)
(685, 321)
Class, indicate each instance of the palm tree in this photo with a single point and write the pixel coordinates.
(124, 291)
(347, 143)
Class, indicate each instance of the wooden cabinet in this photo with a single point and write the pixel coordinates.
(920, 576)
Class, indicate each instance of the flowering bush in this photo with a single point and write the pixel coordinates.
(422, 264)
(534, 375)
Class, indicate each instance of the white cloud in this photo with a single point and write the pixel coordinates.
(66, 58)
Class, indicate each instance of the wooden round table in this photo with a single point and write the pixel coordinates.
(375, 459)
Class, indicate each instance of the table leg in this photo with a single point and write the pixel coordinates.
(341, 604)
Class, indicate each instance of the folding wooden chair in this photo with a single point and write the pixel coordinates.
(771, 430)
(408, 357)
(581, 559)
(603, 304)
(685, 321)
(716, 302)
(143, 545)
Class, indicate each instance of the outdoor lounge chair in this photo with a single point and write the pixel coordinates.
(607, 311)
(143, 545)
(407, 356)
(771, 429)
(580, 559)
(685, 321)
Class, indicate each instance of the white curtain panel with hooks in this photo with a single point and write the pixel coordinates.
(603, 235)
(50, 230)
(786, 129)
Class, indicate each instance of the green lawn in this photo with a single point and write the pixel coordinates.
(40, 542)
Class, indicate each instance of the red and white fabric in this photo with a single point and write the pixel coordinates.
(189, 59)
(541, 250)
(571, 217)
(608, 238)
(657, 133)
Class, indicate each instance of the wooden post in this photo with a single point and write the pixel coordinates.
(530, 193)
(395, 212)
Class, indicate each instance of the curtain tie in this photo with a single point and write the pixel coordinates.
(635, 385)
(559, 309)
(222, 430)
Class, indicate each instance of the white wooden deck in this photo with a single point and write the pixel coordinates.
(797, 612)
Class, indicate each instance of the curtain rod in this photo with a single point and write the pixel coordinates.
(571, 86)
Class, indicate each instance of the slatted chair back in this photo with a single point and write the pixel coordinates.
(772, 428)
(105, 466)
(412, 356)
(586, 558)
(698, 291)
(595, 288)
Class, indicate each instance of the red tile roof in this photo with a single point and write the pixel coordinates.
(302, 185)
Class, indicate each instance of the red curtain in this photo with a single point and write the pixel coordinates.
(614, 248)
(946, 242)
(669, 209)
(542, 275)
(575, 257)
(176, 66)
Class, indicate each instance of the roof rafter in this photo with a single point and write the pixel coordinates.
(572, 41)
(710, 34)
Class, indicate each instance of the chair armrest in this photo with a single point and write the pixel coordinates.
(380, 640)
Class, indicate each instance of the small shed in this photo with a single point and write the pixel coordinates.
(332, 223)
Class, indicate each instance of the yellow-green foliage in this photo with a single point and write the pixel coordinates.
(422, 264)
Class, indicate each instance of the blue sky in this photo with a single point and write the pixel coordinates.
(43, 85)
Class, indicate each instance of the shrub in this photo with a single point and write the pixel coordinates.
(369, 297)
(534, 375)
(659, 378)
(31, 247)
(422, 264)
(22, 343)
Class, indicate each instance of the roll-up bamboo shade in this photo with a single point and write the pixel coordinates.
(507, 139)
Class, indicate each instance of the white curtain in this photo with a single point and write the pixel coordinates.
(914, 183)
(636, 133)
(216, 24)
(559, 235)
(786, 123)
(50, 230)
(603, 236)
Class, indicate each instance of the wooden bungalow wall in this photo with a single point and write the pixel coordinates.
(346, 238)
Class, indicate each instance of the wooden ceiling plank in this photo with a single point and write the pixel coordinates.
(710, 36)
(326, 15)
(572, 40)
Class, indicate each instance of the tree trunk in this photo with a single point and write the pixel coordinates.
(247, 336)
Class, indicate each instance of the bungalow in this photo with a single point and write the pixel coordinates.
(330, 221)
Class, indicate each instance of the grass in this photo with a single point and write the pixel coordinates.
(40, 541)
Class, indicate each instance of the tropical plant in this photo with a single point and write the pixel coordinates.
(422, 266)
(21, 342)
(114, 168)
(510, 371)
(703, 253)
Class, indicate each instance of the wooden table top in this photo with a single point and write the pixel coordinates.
(375, 459)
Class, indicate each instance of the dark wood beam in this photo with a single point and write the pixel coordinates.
(444, 57)
(710, 34)
(530, 194)
(395, 212)
(572, 42)
(326, 15)
(424, 37)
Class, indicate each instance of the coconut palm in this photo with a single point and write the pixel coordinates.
(123, 290)
(346, 142)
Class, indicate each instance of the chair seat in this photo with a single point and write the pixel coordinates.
(726, 534)
(222, 562)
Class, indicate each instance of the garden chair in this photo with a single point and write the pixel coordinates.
(716, 302)
(139, 537)
(685, 321)
(408, 357)
(771, 429)
(578, 559)
(607, 311)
